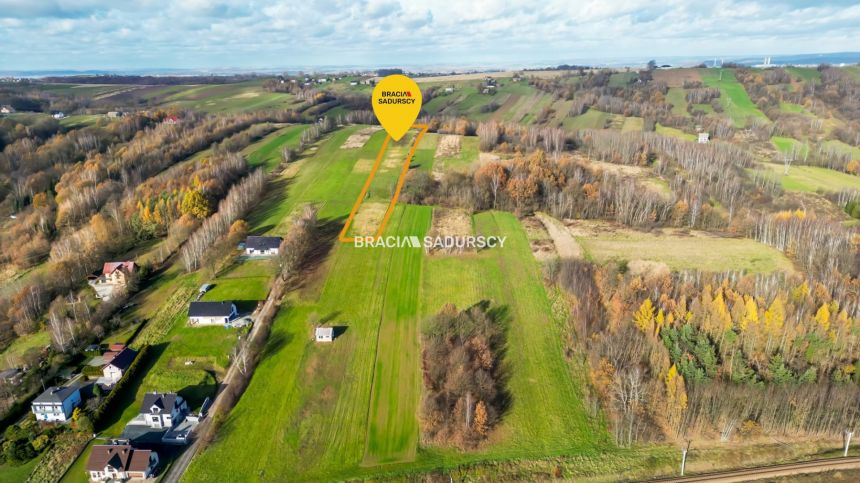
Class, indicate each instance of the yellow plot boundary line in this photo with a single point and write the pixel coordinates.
(405, 169)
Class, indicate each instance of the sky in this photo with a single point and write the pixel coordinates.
(223, 34)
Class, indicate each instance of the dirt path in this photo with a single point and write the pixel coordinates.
(565, 244)
(769, 472)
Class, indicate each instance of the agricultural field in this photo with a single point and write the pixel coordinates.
(237, 97)
(678, 98)
(267, 151)
(331, 426)
(673, 132)
(677, 249)
(327, 426)
(591, 119)
(733, 97)
(811, 179)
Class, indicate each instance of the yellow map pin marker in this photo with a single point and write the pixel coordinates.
(396, 103)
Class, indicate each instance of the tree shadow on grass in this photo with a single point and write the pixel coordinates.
(275, 343)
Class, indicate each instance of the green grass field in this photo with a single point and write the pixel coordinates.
(621, 79)
(789, 146)
(677, 96)
(349, 408)
(733, 97)
(811, 179)
(591, 119)
(804, 73)
(215, 98)
(685, 252)
(267, 151)
(673, 132)
(839, 146)
(328, 426)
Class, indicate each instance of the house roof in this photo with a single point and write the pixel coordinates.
(123, 359)
(325, 331)
(109, 267)
(109, 356)
(210, 309)
(117, 346)
(56, 394)
(164, 401)
(263, 242)
(121, 457)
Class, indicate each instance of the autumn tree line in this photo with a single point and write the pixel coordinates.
(715, 355)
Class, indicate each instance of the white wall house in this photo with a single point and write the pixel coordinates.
(163, 410)
(704, 138)
(117, 366)
(56, 404)
(262, 245)
(211, 313)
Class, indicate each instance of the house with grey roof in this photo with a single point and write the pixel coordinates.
(56, 404)
(117, 366)
(163, 410)
(262, 245)
(211, 313)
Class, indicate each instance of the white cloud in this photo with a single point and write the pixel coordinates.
(204, 33)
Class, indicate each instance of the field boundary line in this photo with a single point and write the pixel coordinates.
(391, 204)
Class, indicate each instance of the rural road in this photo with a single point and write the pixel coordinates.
(774, 471)
(264, 317)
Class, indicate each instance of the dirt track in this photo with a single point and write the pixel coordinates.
(775, 471)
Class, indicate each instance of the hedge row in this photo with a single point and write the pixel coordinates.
(117, 389)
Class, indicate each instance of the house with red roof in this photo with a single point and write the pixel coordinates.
(115, 276)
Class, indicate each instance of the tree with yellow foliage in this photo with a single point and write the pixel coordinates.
(644, 317)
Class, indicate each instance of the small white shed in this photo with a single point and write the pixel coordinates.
(324, 334)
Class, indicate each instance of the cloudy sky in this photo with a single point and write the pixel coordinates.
(216, 34)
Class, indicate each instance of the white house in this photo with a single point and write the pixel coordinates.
(704, 138)
(58, 115)
(117, 366)
(262, 245)
(114, 276)
(163, 410)
(324, 334)
(449, 89)
(6, 109)
(56, 404)
(120, 462)
(211, 313)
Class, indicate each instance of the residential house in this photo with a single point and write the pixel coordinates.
(56, 403)
(449, 89)
(115, 114)
(262, 245)
(120, 462)
(163, 410)
(115, 369)
(324, 334)
(171, 119)
(58, 115)
(211, 313)
(704, 138)
(114, 277)
(353, 83)
(6, 109)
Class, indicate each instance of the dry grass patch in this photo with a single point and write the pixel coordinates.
(448, 146)
(540, 242)
(369, 218)
(450, 222)
(363, 165)
(359, 138)
(676, 77)
(677, 248)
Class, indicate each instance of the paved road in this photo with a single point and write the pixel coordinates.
(775, 471)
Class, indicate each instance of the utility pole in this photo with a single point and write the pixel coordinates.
(684, 451)
(848, 434)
